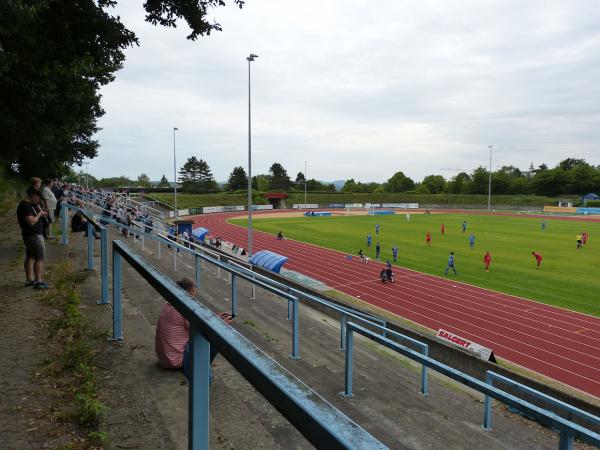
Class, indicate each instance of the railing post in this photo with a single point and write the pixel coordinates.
(117, 312)
(229, 278)
(104, 266)
(158, 247)
(289, 316)
(174, 259)
(219, 267)
(487, 405)
(90, 246)
(348, 369)
(142, 237)
(253, 296)
(197, 270)
(343, 332)
(424, 378)
(233, 294)
(64, 223)
(296, 331)
(566, 440)
(199, 392)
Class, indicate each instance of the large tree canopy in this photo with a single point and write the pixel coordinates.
(54, 57)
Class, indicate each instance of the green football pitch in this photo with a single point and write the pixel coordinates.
(569, 277)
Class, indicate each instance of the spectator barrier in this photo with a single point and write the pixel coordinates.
(319, 421)
(568, 430)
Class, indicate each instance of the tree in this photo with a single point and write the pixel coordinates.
(479, 181)
(261, 183)
(350, 186)
(433, 184)
(399, 183)
(571, 163)
(164, 182)
(144, 181)
(115, 182)
(54, 58)
(299, 183)
(237, 179)
(195, 176)
(279, 177)
(460, 183)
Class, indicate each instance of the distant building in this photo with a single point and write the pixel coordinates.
(591, 196)
(531, 171)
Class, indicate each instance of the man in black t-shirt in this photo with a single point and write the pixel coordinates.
(30, 214)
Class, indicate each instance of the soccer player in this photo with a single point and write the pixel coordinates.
(377, 229)
(471, 241)
(408, 217)
(543, 225)
(377, 250)
(538, 259)
(584, 237)
(443, 229)
(428, 239)
(369, 239)
(464, 226)
(487, 259)
(451, 264)
(395, 253)
(579, 238)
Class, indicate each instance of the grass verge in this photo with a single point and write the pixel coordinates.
(71, 369)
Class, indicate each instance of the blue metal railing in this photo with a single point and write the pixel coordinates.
(567, 429)
(319, 421)
(91, 225)
(487, 414)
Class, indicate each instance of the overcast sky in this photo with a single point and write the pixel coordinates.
(360, 89)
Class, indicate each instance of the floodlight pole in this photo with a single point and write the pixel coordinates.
(490, 180)
(87, 175)
(250, 58)
(174, 173)
(305, 183)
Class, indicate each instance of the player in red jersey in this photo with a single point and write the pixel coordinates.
(443, 228)
(428, 239)
(487, 259)
(538, 259)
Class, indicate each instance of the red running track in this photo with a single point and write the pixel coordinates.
(561, 344)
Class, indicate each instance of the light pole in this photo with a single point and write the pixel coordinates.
(174, 172)
(491, 147)
(250, 58)
(305, 183)
(87, 175)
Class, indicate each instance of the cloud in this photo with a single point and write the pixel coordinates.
(360, 89)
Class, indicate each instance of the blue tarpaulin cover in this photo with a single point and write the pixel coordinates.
(268, 260)
(199, 233)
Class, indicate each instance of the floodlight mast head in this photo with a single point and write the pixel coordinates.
(252, 57)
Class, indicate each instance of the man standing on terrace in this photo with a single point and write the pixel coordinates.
(30, 215)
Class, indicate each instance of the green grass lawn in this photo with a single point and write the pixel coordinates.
(569, 277)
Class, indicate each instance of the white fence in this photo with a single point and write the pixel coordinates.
(401, 205)
(305, 206)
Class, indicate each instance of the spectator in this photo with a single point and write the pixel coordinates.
(29, 215)
(79, 224)
(59, 194)
(35, 183)
(50, 200)
(171, 343)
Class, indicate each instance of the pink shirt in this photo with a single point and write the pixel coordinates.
(172, 334)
